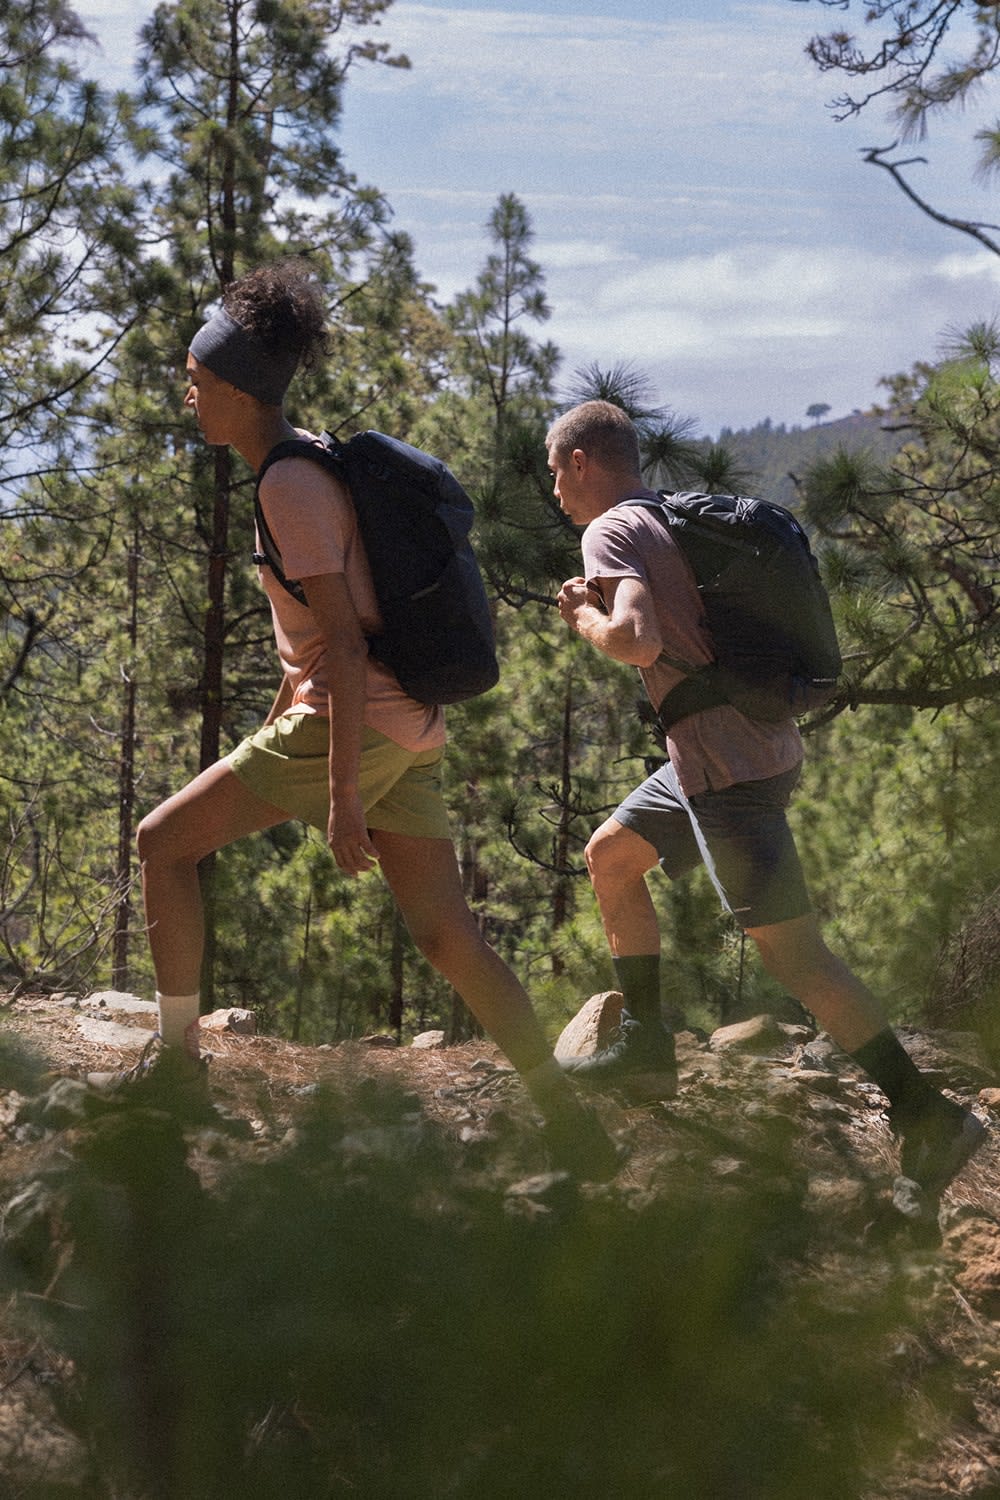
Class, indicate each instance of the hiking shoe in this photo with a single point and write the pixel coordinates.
(168, 1079)
(935, 1146)
(635, 1047)
(578, 1143)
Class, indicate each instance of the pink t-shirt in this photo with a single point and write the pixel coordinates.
(311, 518)
(721, 746)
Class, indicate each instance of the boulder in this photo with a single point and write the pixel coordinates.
(121, 1003)
(233, 1018)
(590, 1029)
(760, 1034)
(429, 1040)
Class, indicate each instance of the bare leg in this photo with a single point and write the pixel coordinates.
(424, 878)
(213, 810)
(795, 954)
(619, 860)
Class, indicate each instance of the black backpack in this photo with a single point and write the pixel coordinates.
(414, 518)
(766, 610)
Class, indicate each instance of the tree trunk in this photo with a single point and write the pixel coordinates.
(397, 968)
(126, 778)
(303, 968)
(213, 662)
(561, 889)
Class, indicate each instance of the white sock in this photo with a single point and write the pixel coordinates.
(179, 1021)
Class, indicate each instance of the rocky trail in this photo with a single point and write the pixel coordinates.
(366, 1281)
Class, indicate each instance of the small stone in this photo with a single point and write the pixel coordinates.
(543, 1194)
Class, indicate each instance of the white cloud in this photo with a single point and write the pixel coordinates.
(600, 74)
(976, 263)
(575, 255)
(695, 209)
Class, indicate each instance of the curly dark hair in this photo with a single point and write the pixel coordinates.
(282, 306)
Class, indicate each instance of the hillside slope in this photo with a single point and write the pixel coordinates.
(366, 1281)
(774, 456)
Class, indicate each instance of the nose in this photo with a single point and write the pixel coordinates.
(190, 398)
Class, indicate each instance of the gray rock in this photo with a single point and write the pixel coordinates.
(759, 1034)
(430, 1041)
(64, 1104)
(590, 1029)
(232, 1018)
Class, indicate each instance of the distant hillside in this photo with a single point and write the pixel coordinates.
(770, 455)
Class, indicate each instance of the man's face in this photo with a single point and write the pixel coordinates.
(567, 468)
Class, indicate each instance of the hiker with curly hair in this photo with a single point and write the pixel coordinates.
(343, 746)
(719, 800)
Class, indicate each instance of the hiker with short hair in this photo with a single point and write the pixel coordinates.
(719, 800)
(343, 747)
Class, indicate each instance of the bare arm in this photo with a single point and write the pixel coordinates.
(346, 656)
(624, 626)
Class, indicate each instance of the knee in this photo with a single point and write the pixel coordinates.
(153, 838)
(432, 942)
(613, 856)
(145, 837)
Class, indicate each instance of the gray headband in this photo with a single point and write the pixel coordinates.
(229, 351)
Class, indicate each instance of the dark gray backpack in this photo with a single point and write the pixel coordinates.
(414, 518)
(766, 609)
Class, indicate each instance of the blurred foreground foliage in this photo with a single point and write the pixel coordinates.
(359, 1314)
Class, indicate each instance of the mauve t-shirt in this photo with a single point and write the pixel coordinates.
(311, 518)
(720, 746)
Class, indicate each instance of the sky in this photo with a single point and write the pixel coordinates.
(698, 212)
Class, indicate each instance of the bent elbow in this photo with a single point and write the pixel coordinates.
(646, 653)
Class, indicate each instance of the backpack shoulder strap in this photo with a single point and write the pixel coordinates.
(326, 453)
(660, 505)
(651, 502)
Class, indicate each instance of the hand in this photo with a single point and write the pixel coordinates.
(574, 595)
(348, 836)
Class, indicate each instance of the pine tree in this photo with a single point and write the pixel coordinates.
(68, 259)
(912, 549)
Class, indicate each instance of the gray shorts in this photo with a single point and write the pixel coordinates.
(741, 836)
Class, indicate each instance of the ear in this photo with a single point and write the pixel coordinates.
(579, 460)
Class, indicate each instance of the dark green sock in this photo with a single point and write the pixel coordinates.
(639, 981)
(886, 1060)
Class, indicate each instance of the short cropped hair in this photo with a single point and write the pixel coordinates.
(601, 430)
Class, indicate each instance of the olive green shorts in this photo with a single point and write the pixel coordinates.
(286, 764)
